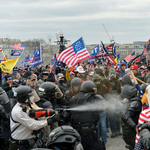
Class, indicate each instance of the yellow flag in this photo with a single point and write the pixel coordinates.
(8, 65)
(115, 59)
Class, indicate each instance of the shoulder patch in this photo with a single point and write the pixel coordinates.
(22, 113)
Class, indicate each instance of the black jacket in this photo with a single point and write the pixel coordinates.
(6, 87)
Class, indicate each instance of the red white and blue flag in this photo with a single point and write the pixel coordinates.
(74, 53)
(108, 59)
(130, 57)
(19, 46)
(16, 52)
(111, 50)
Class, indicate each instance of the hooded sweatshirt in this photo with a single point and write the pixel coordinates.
(128, 90)
(122, 71)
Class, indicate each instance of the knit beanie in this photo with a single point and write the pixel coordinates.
(50, 78)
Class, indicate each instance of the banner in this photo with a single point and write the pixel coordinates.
(8, 65)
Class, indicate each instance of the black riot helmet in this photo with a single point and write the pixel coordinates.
(88, 86)
(23, 94)
(49, 90)
(75, 84)
(64, 138)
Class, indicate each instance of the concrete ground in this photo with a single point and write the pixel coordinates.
(115, 143)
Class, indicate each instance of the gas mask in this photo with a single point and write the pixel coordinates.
(112, 76)
(76, 88)
(97, 83)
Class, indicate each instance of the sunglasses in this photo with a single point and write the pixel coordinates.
(132, 69)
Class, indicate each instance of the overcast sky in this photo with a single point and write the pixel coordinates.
(126, 20)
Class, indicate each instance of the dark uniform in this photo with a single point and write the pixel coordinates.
(4, 119)
(75, 82)
(85, 122)
(131, 113)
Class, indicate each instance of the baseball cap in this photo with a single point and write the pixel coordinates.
(16, 81)
(32, 77)
(60, 75)
(80, 69)
(134, 67)
(8, 77)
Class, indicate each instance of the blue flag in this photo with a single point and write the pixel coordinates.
(95, 50)
(37, 59)
(114, 49)
(55, 63)
(118, 58)
(16, 52)
(27, 58)
(35, 51)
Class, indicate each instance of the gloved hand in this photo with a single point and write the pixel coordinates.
(56, 117)
(53, 119)
(145, 126)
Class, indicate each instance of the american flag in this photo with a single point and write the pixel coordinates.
(0, 49)
(74, 54)
(130, 57)
(144, 50)
(108, 59)
(110, 49)
(19, 46)
(143, 118)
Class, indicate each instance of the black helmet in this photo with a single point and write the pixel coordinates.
(88, 86)
(64, 138)
(76, 82)
(23, 93)
(49, 90)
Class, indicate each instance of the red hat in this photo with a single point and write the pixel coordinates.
(135, 67)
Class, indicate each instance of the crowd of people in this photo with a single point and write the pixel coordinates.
(36, 102)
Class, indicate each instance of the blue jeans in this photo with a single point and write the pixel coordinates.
(102, 130)
(114, 121)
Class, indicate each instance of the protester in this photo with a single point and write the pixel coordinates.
(8, 84)
(123, 66)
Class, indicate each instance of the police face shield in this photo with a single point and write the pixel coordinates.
(78, 147)
(58, 93)
(30, 98)
(4, 98)
(34, 98)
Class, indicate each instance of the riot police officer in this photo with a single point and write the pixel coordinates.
(21, 125)
(85, 122)
(131, 112)
(49, 91)
(4, 118)
(75, 88)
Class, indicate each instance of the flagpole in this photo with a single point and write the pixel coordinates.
(3, 53)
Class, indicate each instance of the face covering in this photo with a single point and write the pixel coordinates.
(97, 83)
(132, 81)
(13, 89)
(113, 76)
(61, 81)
